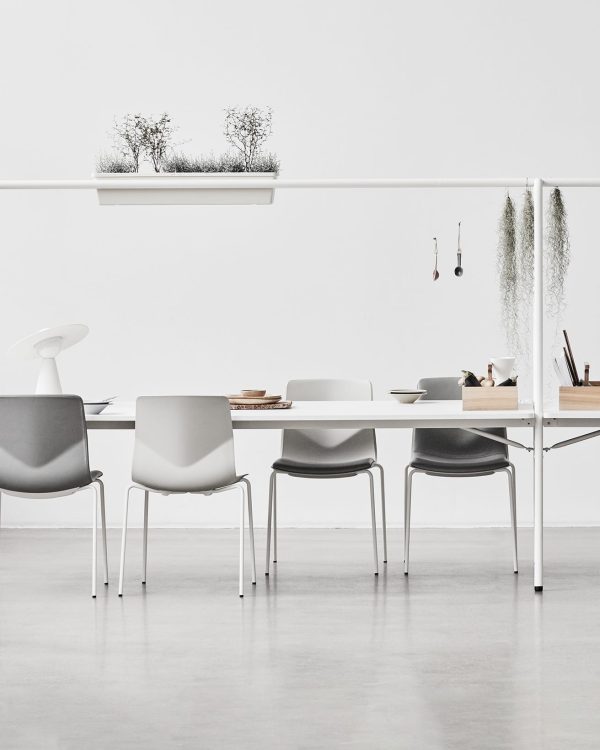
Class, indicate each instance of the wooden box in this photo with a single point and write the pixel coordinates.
(582, 398)
(490, 399)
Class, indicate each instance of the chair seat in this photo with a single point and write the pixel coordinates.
(454, 466)
(301, 468)
(190, 490)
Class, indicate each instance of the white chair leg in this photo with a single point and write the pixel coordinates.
(373, 523)
(408, 475)
(275, 517)
(269, 516)
(145, 551)
(251, 528)
(383, 519)
(95, 541)
(123, 543)
(242, 524)
(512, 488)
(0, 510)
(103, 521)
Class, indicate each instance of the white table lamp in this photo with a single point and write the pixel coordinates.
(46, 345)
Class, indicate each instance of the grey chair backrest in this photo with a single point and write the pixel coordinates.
(449, 443)
(43, 444)
(183, 443)
(319, 446)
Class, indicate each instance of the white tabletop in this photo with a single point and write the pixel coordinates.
(555, 417)
(344, 414)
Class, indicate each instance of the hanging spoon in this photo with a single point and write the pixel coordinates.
(436, 274)
(458, 271)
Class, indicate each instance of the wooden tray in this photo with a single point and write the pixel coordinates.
(490, 399)
(579, 398)
(255, 407)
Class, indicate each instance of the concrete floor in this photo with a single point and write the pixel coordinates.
(321, 655)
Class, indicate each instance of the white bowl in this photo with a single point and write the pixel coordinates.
(96, 407)
(407, 396)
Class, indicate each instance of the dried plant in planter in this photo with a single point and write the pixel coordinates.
(129, 134)
(507, 272)
(115, 164)
(157, 139)
(246, 130)
(216, 164)
(557, 253)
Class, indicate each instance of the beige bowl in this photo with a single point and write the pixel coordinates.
(407, 396)
(252, 394)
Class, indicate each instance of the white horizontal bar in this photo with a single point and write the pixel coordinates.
(150, 183)
(551, 182)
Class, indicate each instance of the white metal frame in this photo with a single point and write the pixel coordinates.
(98, 488)
(410, 471)
(246, 499)
(393, 183)
(272, 512)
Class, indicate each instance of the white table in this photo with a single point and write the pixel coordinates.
(343, 414)
(352, 415)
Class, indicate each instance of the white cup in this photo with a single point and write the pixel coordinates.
(503, 367)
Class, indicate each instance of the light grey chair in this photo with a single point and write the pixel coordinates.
(44, 455)
(456, 453)
(327, 454)
(184, 444)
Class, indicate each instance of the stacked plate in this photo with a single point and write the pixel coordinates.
(407, 395)
(256, 400)
(240, 400)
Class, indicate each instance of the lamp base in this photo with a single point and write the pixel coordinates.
(48, 382)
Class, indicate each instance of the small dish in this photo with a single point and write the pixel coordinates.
(252, 394)
(407, 396)
(95, 407)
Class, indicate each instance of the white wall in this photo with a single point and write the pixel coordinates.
(209, 300)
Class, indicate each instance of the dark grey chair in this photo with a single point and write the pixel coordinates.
(327, 454)
(455, 453)
(44, 455)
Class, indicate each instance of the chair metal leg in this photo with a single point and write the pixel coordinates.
(123, 543)
(251, 528)
(383, 519)
(512, 488)
(275, 518)
(103, 520)
(269, 516)
(0, 510)
(242, 524)
(373, 523)
(145, 550)
(95, 541)
(408, 475)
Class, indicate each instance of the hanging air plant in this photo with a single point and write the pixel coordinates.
(557, 252)
(525, 266)
(507, 272)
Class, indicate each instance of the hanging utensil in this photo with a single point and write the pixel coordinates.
(458, 271)
(436, 274)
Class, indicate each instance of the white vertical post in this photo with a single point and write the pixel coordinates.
(538, 387)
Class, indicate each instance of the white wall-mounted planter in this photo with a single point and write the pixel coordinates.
(185, 189)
